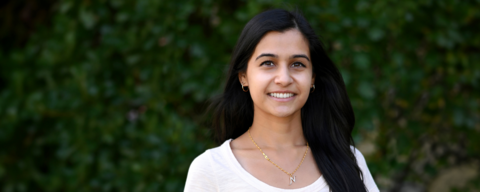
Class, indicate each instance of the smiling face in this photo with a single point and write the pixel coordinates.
(279, 73)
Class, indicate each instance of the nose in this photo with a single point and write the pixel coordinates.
(283, 76)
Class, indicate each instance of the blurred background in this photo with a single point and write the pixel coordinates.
(111, 95)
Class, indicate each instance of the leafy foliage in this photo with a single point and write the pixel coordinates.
(111, 95)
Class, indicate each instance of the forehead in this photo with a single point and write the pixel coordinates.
(283, 44)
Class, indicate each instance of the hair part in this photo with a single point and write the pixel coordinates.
(327, 116)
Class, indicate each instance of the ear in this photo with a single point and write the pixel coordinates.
(313, 80)
(242, 77)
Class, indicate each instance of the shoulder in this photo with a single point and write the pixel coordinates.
(358, 155)
(200, 177)
(201, 161)
(205, 160)
(362, 163)
(201, 174)
(366, 175)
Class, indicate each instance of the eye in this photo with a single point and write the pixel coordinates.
(298, 64)
(267, 63)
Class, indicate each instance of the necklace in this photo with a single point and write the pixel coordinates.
(292, 177)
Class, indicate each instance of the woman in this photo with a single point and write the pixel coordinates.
(285, 119)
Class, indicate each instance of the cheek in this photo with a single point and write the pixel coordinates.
(304, 82)
(258, 85)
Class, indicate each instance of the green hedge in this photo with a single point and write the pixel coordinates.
(111, 95)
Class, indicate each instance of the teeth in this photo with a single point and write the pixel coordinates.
(282, 95)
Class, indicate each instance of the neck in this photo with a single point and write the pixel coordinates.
(277, 132)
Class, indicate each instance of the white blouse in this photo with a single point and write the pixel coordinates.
(217, 169)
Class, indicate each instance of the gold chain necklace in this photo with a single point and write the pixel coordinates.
(292, 177)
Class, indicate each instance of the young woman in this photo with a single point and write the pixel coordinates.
(285, 119)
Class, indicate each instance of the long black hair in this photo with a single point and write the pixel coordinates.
(327, 116)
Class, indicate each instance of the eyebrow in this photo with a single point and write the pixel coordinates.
(273, 55)
(266, 55)
(301, 56)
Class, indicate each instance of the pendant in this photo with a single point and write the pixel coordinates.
(292, 179)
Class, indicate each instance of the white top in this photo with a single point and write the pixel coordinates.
(217, 169)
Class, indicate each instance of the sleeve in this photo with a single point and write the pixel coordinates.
(200, 176)
(367, 176)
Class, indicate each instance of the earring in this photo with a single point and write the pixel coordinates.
(313, 89)
(244, 89)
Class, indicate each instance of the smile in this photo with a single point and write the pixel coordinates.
(282, 95)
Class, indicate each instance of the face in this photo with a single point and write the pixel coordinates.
(279, 74)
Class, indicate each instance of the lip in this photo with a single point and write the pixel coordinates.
(282, 99)
(282, 92)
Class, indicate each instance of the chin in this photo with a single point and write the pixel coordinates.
(283, 113)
